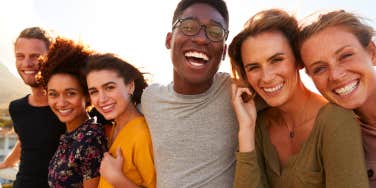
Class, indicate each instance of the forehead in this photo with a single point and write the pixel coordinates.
(265, 43)
(204, 13)
(98, 77)
(26, 45)
(63, 81)
(331, 38)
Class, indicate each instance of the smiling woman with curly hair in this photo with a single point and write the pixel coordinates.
(77, 159)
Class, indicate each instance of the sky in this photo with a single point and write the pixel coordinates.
(136, 30)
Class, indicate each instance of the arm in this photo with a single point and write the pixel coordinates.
(13, 157)
(111, 170)
(249, 170)
(343, 152)
(144, 159)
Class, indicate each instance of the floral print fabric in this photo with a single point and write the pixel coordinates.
(78, 156)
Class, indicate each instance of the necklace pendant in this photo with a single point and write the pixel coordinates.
(292, 134)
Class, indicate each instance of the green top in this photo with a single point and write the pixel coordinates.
(332, 156)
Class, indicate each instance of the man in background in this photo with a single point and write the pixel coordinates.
(37, 128)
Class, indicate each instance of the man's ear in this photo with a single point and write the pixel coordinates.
(168, 40)
(371, 48)
(224, 52)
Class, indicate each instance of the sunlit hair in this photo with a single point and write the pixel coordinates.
(128, 72)
(36, 33)
(67, 57)
(264, 21)
(340, 18)
(219, 5)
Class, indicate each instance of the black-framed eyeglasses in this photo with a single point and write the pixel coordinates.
(191, 27)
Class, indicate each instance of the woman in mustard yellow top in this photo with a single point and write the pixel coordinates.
(115, 88)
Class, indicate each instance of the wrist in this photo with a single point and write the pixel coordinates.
(246, 140)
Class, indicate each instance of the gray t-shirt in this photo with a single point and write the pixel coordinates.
(194, 136)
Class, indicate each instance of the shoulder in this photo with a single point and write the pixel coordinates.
(19, 102)
(334, 118)
(154, 88)
(222, 78)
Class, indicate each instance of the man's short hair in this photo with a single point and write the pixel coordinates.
(36, 33)
(219, 5)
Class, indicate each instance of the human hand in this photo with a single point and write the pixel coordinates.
(244, 106)
(111, 167)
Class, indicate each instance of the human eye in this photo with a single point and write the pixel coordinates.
(109, 87)
(345, 56)
(71, 93)
(20, 56)
(318, 69)
(34, 56)
(189, 27)
(215, 32)
(277, 59)
(52, 94)
(92, 92)
(249, 68)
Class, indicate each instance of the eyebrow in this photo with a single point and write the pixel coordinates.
(211, 20)
(103, 85)
(275, 55)
(340, 49)
(336, 53)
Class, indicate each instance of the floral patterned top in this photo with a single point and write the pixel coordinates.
(78, 156)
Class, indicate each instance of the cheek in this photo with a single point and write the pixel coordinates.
(252, 79)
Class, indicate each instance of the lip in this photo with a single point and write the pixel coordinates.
(107, 108)
(347, 88)
(64, 112)
(29, 72)
(196, 59)
(273, 90)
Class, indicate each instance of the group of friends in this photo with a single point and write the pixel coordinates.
(91, 120)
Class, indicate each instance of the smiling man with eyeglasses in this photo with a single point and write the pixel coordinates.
(192, 123)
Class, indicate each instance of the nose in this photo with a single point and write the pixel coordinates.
(337, 73)
(60, 102)
(102, 97)
(268, 75)
(201, 36)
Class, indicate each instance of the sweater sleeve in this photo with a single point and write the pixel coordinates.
(342, 153)
(250, 167)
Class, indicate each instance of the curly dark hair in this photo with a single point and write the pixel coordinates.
(128, 72)
(267, 20)
(64, 56)
(219, 5)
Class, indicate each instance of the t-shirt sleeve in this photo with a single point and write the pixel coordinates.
(144, 159)
(342, 151)
(91, 154)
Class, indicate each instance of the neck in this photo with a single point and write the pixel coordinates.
(74, 124)
(301, 107)
(367, 113)
(127, 116)
(38, 97)
(184, 87)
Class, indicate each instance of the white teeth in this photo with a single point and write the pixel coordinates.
(273, 89)
(106, 107)
(197, 55)
(347, 89)
(30, 72)
(65, 111)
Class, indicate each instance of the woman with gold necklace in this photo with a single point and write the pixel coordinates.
(115, 88)
(300, 140)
